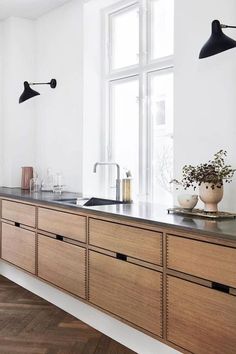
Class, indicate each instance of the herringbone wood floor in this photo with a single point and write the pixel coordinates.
(31, 325)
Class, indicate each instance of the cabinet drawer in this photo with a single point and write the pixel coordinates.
(126, 290)
(18, 212)
(204, 260)
(132, 241)
(64, 224)
(18, 247)
(62, 264)
(200, 319)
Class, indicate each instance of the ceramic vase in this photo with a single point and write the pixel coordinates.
(210, 197)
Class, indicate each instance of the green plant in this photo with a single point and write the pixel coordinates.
(215, 171)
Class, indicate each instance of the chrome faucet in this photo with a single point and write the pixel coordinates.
(117, 175)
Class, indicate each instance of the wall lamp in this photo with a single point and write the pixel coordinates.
(218, 41)
(29, 92)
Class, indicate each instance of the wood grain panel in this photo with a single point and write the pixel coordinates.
(18, 212)
(64, 224)
(18, 247)
(201, 259)
(132, 292)
(62, 264)
(132, 241)
(200, 319)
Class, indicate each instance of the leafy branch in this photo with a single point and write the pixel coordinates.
(215, 171)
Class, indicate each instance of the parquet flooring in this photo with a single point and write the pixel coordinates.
(31, 325)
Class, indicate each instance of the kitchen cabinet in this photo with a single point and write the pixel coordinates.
(18, 247)
(178, 286)
(201, 259)
(129, 291)
(200, 319)
(61, 223)
(18, 212)
(62, 264)
(132, 241)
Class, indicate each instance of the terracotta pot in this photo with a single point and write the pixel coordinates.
(210, 197)
(27, 174)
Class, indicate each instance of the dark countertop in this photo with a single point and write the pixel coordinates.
(138, 211)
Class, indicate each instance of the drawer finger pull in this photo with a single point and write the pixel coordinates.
(59, 238)
(121, 256)
(17, 224)
(220, 287)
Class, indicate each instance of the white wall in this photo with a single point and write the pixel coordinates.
(49, 129)
(18, 59)
(205, 90)
(59, 123)
(46, 131)
(1, 109)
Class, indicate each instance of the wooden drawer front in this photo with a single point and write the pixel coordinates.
(62, 264)
(18, 212)
(204, 260)
(200, 319)
(126, 290)
(131, 241)
(18, 247)
(64, 224)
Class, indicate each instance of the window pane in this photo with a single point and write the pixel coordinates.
(161, 132)
(125, 38)
(125, 126)
(162, 28)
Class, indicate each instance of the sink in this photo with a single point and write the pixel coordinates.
(99, 201)
(88, 201)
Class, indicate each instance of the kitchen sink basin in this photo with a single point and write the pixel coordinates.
(88, 201)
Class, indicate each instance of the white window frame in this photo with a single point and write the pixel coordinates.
(146, 65)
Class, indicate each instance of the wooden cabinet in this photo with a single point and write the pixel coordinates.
(199, 319)
(201, 259)
(69, 225)
(129, 291)
(18, 247)
(18, 212)
(132, 241)
(62, 264)
(186, 296)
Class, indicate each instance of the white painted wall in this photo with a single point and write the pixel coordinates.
(49, 129)
(46, 131)
(1, 109)
(205, 90)
(59, 120)
(18, 135)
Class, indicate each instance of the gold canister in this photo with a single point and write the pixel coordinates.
(127, 190)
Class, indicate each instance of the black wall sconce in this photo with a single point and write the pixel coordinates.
(218, 41)
(29, 92)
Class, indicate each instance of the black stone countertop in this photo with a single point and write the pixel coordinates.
(138, 211)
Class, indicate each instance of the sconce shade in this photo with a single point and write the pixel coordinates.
(27, 93)
(218, 41)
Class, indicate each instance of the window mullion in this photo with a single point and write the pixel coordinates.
(142, 101)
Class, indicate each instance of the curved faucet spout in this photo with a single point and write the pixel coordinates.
(117, 174)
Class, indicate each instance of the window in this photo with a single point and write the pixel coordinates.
(138, 78)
